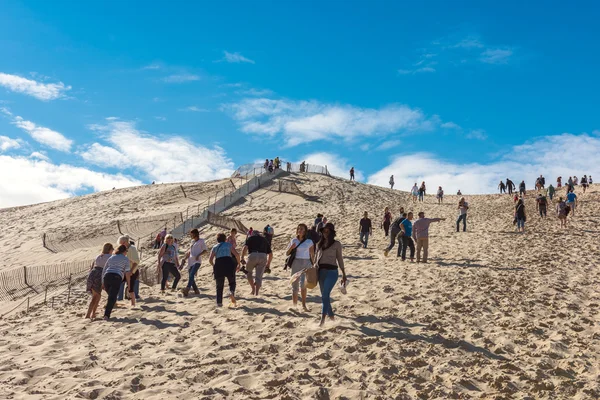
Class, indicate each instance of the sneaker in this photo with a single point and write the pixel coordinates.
(185, 292)
(219, 304)
(267, 270)
(196, 291)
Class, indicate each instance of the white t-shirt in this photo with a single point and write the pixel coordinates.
(463, 210)
(197, 248)
(302, 251)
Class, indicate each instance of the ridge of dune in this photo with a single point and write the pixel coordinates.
(494, 314)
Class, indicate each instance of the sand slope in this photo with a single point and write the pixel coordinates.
(494, 314)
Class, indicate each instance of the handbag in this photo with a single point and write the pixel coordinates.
(290, 259)
(312, 275)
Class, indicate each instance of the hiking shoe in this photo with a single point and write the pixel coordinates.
(267, 270)
(196, 291)
(185, 292)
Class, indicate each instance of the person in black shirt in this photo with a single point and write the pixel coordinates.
(259, 258)
(502, 187)
(365, 230)
(352, 173)
(522, 188)
(510, 186)
(394, 232)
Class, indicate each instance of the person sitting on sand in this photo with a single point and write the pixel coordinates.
(302, 249)
(94, 280)
(520, 216)
(394, 232)
(407, 240)
(329, 258)
(224, 266)
(421, 234)
(168, 263)
(440, 195)
(387, 221)
(562, 210)
(194, 256)
(260, 256)
(116, 268)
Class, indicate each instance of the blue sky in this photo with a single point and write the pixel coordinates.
(101, 94)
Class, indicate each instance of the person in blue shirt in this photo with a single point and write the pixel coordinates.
(407, 241)
(572, 201)
(225, 261)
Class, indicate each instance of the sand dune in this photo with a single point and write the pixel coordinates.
(495, 314)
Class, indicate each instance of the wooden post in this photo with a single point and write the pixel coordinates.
(69, 290)
(45, 294)
(27, 311)
(25, 275)
(52, 306)
(44, 239)
(119, 227)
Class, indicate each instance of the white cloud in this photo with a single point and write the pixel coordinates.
(236, 58)
(194, 109)
(470, 42)
(255, 92)
(544, 155)
(478, 134)
(164, 159)
(496, 56)
(40, 181)
(336, 165)
(39, 155)
(44, 135)
(41, 91)
(307, 121)
(450, 125)
(7, 143)
(181, 78)
(153, 66)
(390, 144)
(159, 118)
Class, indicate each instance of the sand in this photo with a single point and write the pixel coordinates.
(494, 314)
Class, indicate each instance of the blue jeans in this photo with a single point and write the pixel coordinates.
(136, 289)
(327, 280)
(192, 277)
(364, 238)
(463, 218)
(520, 223)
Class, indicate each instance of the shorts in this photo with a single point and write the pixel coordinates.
(258, 261)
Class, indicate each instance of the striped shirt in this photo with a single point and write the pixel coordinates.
(117, 264)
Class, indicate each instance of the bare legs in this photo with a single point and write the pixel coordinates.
(91, 313)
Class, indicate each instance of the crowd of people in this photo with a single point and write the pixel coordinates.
(313, 252)
(314, 255)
